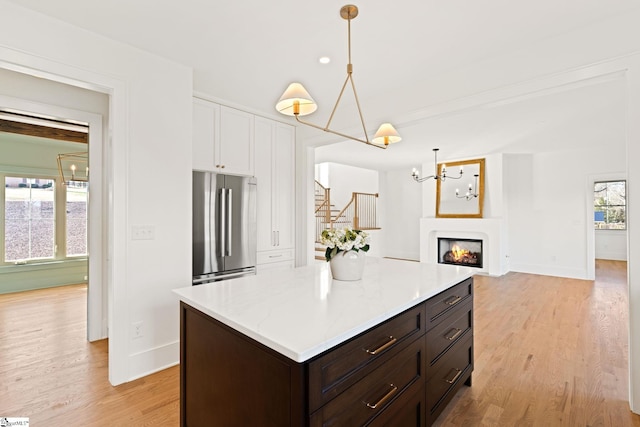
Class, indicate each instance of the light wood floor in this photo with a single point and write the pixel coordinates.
(549, 352)
(51, 374)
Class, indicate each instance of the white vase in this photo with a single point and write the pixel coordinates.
(348, 265)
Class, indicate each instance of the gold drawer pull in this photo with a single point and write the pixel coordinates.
(384, 398)
(383, 347)
(456, 334)
(455, 376)
(452, 300)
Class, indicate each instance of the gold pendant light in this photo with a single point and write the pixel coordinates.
(296, 101)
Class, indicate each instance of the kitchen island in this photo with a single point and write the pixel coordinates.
(297, 348)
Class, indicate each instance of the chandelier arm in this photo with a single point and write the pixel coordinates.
(326, 129)
(335, 107)
(355, 94)
(454, 177)
(424, 178)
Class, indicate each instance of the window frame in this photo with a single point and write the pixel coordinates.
(60, 221)
(606, 206)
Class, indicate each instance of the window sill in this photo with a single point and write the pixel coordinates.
(45, 265)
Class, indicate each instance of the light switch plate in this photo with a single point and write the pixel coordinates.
(143, 232)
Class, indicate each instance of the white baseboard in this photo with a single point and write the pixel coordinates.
(614, 256)
(154, 360)
(545, 270)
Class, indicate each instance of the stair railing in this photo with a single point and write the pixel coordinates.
(359, 213)
(323, 209)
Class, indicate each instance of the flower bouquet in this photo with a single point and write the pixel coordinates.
(346, 239)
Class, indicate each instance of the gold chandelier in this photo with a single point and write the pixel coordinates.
(73, 167)
(296, 101)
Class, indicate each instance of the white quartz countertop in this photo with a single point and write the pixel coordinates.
(302, 312)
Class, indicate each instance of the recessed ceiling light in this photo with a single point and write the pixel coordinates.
(324, 59)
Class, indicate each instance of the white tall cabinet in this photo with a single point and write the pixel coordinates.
(275, 173)
(222, 139)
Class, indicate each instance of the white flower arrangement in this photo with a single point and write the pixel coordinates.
(343, 240)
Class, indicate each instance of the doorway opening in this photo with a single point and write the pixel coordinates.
(70, 250)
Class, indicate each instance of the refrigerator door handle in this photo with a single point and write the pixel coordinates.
(222, 211)
(211, 201)
(227, 247)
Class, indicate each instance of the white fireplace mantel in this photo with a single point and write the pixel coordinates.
(490, 230)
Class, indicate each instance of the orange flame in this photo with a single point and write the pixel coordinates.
(458, 253)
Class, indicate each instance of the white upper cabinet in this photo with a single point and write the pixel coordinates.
(222, 139)
(235, 154)
(206, 127)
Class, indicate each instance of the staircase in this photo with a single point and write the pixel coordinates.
(324, 212)
(360, 213)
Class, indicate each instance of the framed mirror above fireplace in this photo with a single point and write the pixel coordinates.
(462, 196)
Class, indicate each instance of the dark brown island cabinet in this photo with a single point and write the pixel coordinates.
(402, 372)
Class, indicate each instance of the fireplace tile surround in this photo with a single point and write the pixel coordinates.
(490, 230)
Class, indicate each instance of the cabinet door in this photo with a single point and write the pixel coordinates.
(236, 144)
(284, 184)
(264, 133)
(206, 117)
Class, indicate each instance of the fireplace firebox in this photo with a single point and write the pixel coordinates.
(456, 251)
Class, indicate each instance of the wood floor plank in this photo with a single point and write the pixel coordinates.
(548, 352)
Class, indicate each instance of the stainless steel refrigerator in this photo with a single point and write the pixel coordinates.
(224, 226)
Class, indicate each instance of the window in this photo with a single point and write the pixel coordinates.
(29, 219)
(609, 205)
(42, 221)
(76, 218)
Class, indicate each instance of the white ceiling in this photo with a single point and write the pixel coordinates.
(246, 52)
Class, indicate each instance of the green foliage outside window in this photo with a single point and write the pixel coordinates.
(610, 205)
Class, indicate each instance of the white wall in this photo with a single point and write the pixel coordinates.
(611, 244)
(401, 208)
(344, 180)
(550, 208)
(149, 174)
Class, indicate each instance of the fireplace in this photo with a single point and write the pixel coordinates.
(456, 251)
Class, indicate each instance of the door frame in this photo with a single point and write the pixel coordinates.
(114, 187)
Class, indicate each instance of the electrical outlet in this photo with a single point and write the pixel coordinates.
(136, 330)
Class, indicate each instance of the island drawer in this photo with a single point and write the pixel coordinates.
(453, 328)
(408, 411)
(336, 370)
(449, 371)
(387, 386)
(445, 301)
